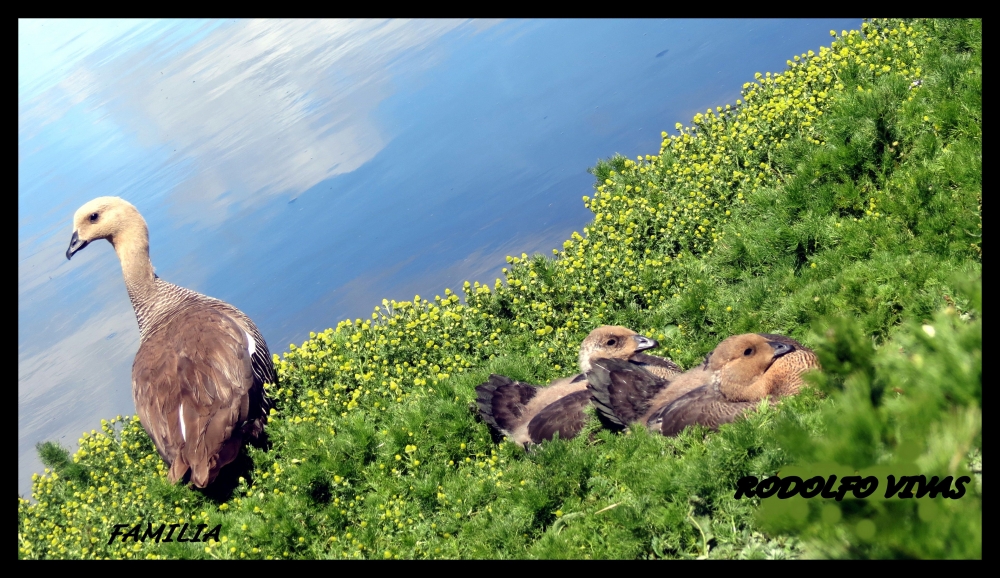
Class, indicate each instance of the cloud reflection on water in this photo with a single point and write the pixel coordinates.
(264, 107)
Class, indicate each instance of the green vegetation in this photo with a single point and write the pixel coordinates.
(838, 202)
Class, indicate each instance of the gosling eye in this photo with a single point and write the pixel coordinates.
(749, 351)
(612, 341)
(93, 217)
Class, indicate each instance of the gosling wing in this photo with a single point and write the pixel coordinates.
(566, 416)
(622, 390)
(502, 401)
(658, 366)
(704, 405)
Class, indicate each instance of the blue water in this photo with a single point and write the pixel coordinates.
(304, 170)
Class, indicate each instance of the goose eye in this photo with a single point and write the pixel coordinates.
(748, 351)
(612, 341)
(93, 217)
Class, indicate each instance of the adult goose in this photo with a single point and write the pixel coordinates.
(529, 414)
(740, 372)
(198, 377)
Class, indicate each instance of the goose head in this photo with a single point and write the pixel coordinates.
(103, 218)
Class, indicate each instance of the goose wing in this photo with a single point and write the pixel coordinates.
(260, 361)
(191, 383)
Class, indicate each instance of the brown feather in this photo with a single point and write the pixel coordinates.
(502, 400)
(658, 366)
(679, 386)
(740, 372)
(544, 396)
(704, 406)
(628, 392)
(622, 390)
(194, 371)
(529, 414)
(785, 374)
(565, 416)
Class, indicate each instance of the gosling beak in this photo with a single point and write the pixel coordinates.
(780, 348)
(75, 244)
(644, 343)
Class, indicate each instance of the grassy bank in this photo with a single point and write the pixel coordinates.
(838, 202)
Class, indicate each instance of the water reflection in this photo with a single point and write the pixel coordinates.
(304, 170)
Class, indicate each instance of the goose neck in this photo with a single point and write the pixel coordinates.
(132, 248)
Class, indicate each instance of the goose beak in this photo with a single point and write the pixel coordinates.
(780, 348)
(75, 244)
(644, 343)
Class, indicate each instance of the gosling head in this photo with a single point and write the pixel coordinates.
(740, 363)
(614, 342)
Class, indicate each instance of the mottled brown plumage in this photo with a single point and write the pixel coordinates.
(565, 416)
(198, 377)
(621, 391)
(740, 372)
(745, 369)
(625, 393)
(529, 414)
